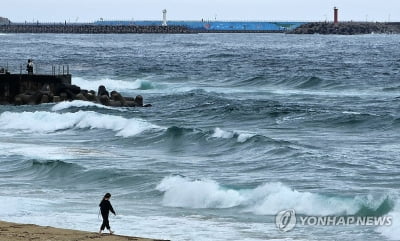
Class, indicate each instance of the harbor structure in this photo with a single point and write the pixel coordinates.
(335, 15)
(164, 23)
(12, 85)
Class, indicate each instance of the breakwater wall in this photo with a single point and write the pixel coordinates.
(217, 26)
(348, 28)
(103, 27)
(90, 29)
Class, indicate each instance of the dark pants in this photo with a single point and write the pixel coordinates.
(106, 223)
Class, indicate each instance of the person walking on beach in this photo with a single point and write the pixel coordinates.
(29, 67)
(105, 208)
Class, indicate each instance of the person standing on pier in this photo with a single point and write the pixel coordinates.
(29, 67)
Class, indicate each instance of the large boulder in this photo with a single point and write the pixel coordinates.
(139, 100)
(104, 100)
(80, 96)
(29, 98)
(102, 91)
(70, 90)
(117, 97)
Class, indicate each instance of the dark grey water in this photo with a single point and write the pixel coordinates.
(242, 127)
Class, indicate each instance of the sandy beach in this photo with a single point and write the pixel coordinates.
(30, 232)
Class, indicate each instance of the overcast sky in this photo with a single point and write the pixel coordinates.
(270, 10)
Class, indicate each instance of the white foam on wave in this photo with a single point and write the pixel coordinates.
(47, 122)
(240, 136)
(41, 152)
(270, 198)
(392, 232)
(219, 133)
(351, 113)
(22, 206)
(79, 103)
(112, 84)
(180, 192)
(182, 228)
(266, 199)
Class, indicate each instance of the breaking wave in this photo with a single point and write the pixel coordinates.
(266, 199)
(79, 103)
(33, 122)
(111, 84)
(393, 231)
(239, 136)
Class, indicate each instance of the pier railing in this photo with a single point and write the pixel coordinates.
(38, 69)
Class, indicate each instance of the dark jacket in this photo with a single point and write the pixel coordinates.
(105, 207)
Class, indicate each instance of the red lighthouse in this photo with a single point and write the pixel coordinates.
(335, 15)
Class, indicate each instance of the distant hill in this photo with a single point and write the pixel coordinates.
(4, 20)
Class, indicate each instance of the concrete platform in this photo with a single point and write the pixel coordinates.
(13, 84)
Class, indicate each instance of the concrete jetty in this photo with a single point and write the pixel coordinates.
(12, 85)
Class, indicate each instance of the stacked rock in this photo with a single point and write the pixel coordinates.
(67, 92)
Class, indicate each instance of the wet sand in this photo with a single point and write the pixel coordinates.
(30, 232)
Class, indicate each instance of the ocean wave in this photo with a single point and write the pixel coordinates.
(175, 131)
(112, 84)
(238, 135)
(392, 232)
(33, 122)
(310, 83)
(42, 169)
(54, 167)
(203, 102)
(353, 119)
(304, 83)
(222, 55)
(215, 134)
(266, 199)
(17, 207)
(258, 80)
(396, 122)
(338, 119)
(38, 151)
(218, 139)
(181, 192)
(391, 89)
(79, 103)
(60, 172)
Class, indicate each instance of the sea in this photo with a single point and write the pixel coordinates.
(248, 135)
